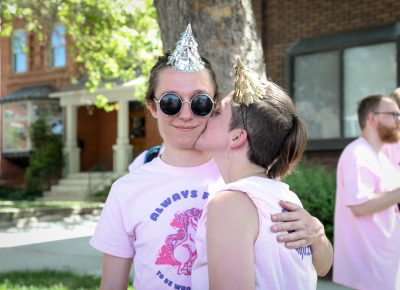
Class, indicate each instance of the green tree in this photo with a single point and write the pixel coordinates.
(112, 39)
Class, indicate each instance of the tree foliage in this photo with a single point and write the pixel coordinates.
(112, 39)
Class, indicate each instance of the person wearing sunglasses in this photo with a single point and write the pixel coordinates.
(367, 219)
(151, 214)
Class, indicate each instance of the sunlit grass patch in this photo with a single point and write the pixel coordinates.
(48, 280)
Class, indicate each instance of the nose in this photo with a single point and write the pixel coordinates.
(186, 112)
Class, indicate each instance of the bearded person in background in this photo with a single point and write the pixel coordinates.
(367, 220)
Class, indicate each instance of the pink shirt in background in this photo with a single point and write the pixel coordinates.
(392, 151)
(366, 249)
(276, 267)
(151, 216)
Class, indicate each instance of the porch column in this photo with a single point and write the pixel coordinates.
(71, 149)
(122, 149)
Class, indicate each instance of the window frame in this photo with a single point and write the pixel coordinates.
(338, 42)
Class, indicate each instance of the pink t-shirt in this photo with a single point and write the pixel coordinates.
(151, 215)
(366, 249)
(392, 151)
(276, 267)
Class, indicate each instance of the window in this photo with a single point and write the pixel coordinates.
(316, 76)
(15, 127)
(329, 76)
(19, 52)
(19, 116)
(367, 70)
(58, 47)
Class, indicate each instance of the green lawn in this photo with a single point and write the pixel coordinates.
(48, 280)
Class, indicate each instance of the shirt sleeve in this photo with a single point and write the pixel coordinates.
(359, 179)
(111, 235)
(137, 162)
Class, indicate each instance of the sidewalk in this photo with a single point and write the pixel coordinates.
(62, 246)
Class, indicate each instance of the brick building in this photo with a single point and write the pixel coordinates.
(327, 54)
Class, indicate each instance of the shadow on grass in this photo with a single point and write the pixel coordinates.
(48, 280)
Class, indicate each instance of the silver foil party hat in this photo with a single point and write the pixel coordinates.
(185, 57)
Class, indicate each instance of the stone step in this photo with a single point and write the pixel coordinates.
(85, 175)
(63, 196)
(84, 182)
(76, 186)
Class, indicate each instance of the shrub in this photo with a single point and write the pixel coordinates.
(316, 188)
(19, 194)
(45, 163)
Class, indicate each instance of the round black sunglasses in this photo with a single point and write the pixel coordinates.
(171, 104)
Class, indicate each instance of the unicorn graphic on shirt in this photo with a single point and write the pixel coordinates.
(179, 249)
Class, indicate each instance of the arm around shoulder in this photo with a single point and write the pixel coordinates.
(322, 252)
(232, 228)
(298, 228)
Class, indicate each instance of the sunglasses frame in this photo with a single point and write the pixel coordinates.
(182, 103)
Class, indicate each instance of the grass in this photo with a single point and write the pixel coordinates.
(49, 280)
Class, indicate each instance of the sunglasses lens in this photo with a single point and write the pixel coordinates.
(170, 104)
(202, 105)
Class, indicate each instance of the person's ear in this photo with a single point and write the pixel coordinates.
(152, 108)
(371, 118)
(238, 138)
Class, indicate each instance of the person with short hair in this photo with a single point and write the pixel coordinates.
(255, 140)
(367, 221)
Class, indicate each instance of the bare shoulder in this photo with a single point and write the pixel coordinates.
(233, 208)
(231, 199)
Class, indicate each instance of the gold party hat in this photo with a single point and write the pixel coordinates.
(247, 88)
(185, 56)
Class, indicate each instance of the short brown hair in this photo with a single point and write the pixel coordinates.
(277, 136)
(367, 105)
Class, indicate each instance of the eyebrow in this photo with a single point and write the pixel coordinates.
(194, 93)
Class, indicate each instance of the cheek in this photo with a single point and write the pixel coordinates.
(162, 123)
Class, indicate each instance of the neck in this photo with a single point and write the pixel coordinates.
(373, 139)
(184, 157)
(238, 167)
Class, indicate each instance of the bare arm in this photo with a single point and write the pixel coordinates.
(232, 228)
(379, 202)
(305, 230)
(115, 274)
